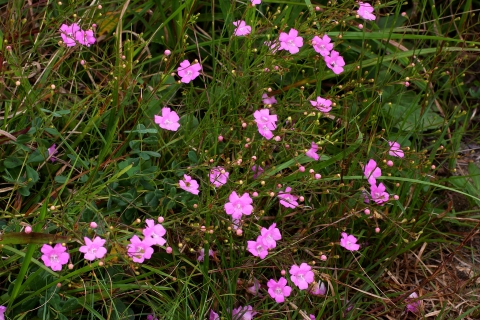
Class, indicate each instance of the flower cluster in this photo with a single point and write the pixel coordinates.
(266, 240)
(71, 34)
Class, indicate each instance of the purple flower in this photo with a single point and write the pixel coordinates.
(349, 242)
(257, 171)
(151, 317)
(69, 33)
(413, 304)
(279, 290)
(255, 288)
(268, 100)
(239, 205)
(218, 176)
(323, 105)
(86, 38)
(51, 151)
(2, 312)
(154, 233)
(54, 257)
(139, 250)
(168, 120)
(257, 248)
(395, 150)
(335, 62)
(322, 45)
(288, 200)
(188, 72)
(213, 315)
(243, 313)
(379, 196)
(371, 171)
(270, 236)
(291, 41)
(256, 1)
(312, 152)
(365, 11)
(201, 256)
(265, 132)
(242, 29)
(93, 249)
(301, 275)
(318, 289)
(189, 184)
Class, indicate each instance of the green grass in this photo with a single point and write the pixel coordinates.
(116, 167)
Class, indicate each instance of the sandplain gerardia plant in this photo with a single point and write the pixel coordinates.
(234, 160)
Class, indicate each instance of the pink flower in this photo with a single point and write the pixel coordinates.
(323, 105)
(318, 289)
(151, 317)
(2, 312)
(257, 171)
(257, 248)
(218, 176)
(243, 313)
(154, 233)
(268, 100)
(379, 196)
(213, 315)
(239, 205)
(349, 242)
(265, 132)
(301, 275)
(291, 41)
(201, 257)
(312, 152)
(279, 290)
(395, 150)
(413, 306)
(263, 118)
(322, 45)
(288, 200)
(270, 236)
(54, 257)
(189, 184)
(168, 120)
(256, 1)
(86, 38)
(242, 29)
(93, 249)
(371, 171)
(69, 33)
(139, 250)
(188, 72)
(255, 288)
(365, 11)
(335, 62)
(273, 45)
(51, 151)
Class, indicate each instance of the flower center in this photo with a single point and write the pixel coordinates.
(168, 121)
(259, 248)
(300, 277)
(238, 206)
(54, 258)
(264, 119)
(92, 251)
(290, 43)
(278, 291)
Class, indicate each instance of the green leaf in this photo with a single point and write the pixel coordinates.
(24, 191)
(36, 156)
(32, 174)
(12, 162)
(192, 156)
(52, 131)
(61, 179)
(24, 138)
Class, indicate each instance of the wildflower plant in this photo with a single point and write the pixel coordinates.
(237, 159)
